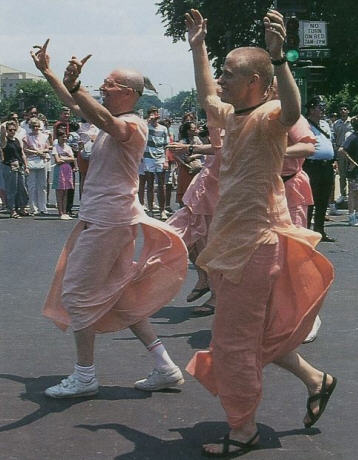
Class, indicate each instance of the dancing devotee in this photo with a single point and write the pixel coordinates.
(97, 286)
(263, 312)
(300, 146)
(192, 221)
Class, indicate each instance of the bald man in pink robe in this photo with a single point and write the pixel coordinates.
(269, 280)
(98, 287)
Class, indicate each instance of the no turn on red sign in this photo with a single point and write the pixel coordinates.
(313, 34)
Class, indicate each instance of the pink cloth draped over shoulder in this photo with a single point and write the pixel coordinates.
(193, 220)
(252, 211)
(97, 282)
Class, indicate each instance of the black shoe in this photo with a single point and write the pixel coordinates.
(327, 239)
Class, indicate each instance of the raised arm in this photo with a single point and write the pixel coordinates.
(42, 62)
(289, 95)
(95, 113)
(197, 28)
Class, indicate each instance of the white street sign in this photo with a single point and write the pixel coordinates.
(313, 34)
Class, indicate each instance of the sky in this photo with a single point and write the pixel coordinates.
(125, 33)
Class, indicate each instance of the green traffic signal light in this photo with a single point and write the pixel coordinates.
(292, 39)
(292, 55)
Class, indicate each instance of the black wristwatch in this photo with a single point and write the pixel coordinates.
(278, 62)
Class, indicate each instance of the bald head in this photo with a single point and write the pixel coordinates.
(252, 60)
(130, 78)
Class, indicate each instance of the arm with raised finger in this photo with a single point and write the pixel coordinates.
(197, 28)
(94, 112)
(42, 61)
(289, 94)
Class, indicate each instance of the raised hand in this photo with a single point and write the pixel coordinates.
(40, 57)
(196, 26)
(74, 69)
(275, 33)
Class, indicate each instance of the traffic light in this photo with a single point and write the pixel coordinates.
(292, 39)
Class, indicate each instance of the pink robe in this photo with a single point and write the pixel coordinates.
(192, 221)
(97, 282)
(269, 280)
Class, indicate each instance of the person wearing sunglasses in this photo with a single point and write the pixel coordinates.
(97, 285)
(14, 169)
(36, 148)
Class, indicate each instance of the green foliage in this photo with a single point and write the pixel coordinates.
(147, 101)
(182, 102)
(37, 93)
(347, 95)
(233, 23)
(341, 16)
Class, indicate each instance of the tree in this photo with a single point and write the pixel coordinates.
(37, 93)
(180, 103)
(146, 101)
(233, 23)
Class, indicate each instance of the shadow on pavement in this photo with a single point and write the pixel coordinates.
(189, 446)
(35, 387)
(175, 315)
(197, 340)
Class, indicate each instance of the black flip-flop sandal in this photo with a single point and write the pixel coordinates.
(323, 398)
(226, 442)
(203, 310)
(196, 294)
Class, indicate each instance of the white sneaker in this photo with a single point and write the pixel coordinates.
(314, 331)
(333, 211)
(71, 387)
(163, 215)
(158, 380)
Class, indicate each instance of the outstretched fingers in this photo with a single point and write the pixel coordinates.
(197, 17)
(85, 59)
(194, 18)
(40, 57)
(275, 28)
(42, 48)
(274, 14)
(77, 63)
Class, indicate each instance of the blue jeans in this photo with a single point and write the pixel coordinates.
(16, 191)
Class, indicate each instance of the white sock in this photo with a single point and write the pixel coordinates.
(161, 358)
(85, 373)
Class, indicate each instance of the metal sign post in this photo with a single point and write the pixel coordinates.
(300, 74)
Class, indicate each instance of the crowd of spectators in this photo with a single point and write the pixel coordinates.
(36, 158)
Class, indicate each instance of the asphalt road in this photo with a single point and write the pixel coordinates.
(123, 423)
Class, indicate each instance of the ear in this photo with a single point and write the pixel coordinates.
(254, 79)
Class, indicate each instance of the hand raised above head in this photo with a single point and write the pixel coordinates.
(74, 69)
(275, 33)
(40, 57)
(196, 26)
